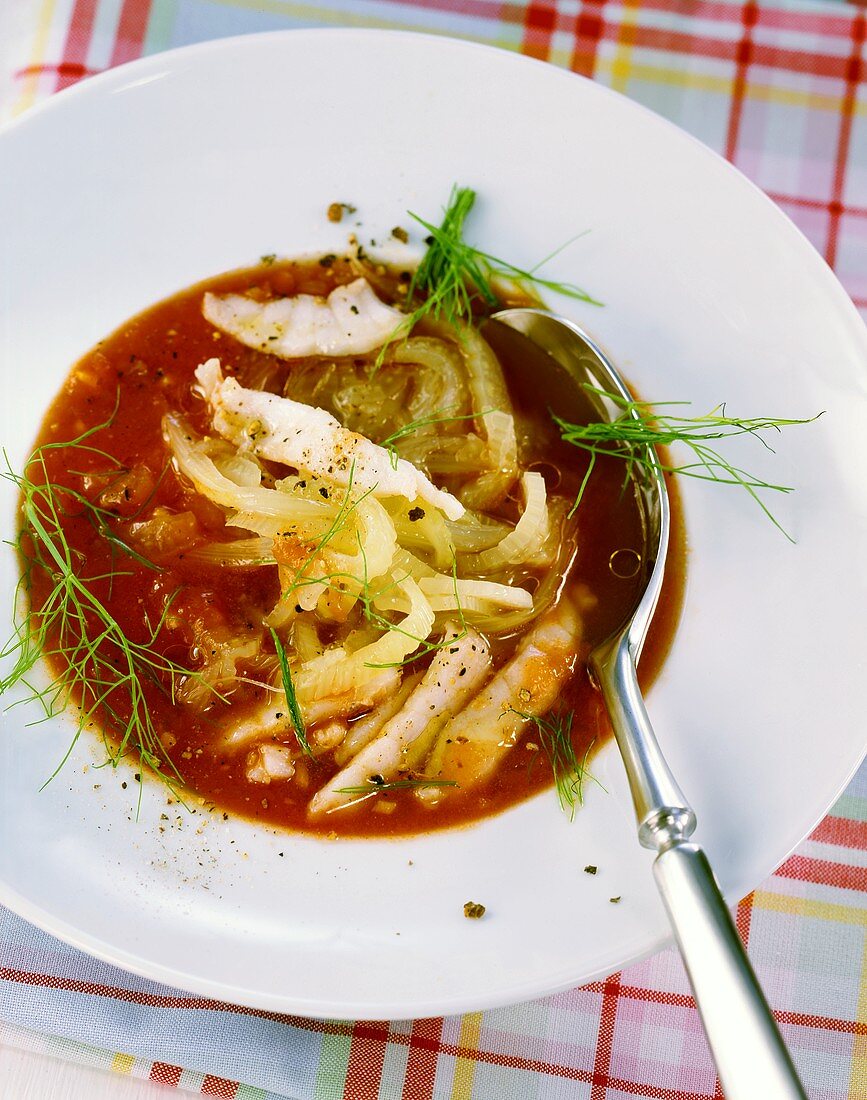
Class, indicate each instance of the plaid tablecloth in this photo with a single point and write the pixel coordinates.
(781, 90)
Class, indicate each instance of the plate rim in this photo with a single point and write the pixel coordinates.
(438, 1005)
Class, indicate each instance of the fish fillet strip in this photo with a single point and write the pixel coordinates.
(273, 722)
(471, 745)
(313, 441)
(455, 673)
(350, 321)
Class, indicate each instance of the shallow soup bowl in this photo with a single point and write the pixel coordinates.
(142, 181)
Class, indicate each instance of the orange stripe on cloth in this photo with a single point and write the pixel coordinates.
(164, 1074)
(219, 1086)
(743, 918)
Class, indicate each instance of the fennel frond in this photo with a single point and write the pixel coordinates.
(453, 274)
(91, 661)
(295, 715)
(643, 425)
(555, 735)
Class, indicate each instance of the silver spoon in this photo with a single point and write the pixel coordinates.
(750, 1056)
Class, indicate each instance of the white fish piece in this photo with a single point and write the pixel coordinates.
(363, 730)
(312, 440)
(267, 762)
(456, 672)
(271, 722)
(472, 744)
(350, 321)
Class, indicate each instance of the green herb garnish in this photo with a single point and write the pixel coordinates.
(642, 426)
(555, 735)
(377, 785)
(99, 665)
(452, 273)
(295, 714)
(452, 270)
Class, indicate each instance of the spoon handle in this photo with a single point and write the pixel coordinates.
(750, 1056)
(661, 809)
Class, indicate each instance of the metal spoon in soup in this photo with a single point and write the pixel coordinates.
(749, 1053)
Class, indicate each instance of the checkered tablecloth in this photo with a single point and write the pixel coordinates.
(779, 89)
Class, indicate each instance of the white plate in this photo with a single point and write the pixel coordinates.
(135, 184)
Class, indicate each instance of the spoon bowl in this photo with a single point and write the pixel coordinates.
(586, 365)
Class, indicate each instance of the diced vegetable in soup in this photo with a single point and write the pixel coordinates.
(347, 589)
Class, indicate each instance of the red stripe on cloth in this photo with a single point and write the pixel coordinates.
(494, 1058)
(775, 18)
(605, 1038)
(219, 1086)
(684, 1000)
(826, 24)
(433, 1042)
(769, 57)
(656, 996)
(588, 31)
(818, 204)
(800, 1019)
(854, 75)
(65, 68)
(539, 24)
(824, 873)
(131, 29)
(366, 1059)
(826, 1023)
(421, 1064)
(744, 56)
(157, 1000)
(164, 1074)
(655, 1092)
(842, 831)
(77, 39)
